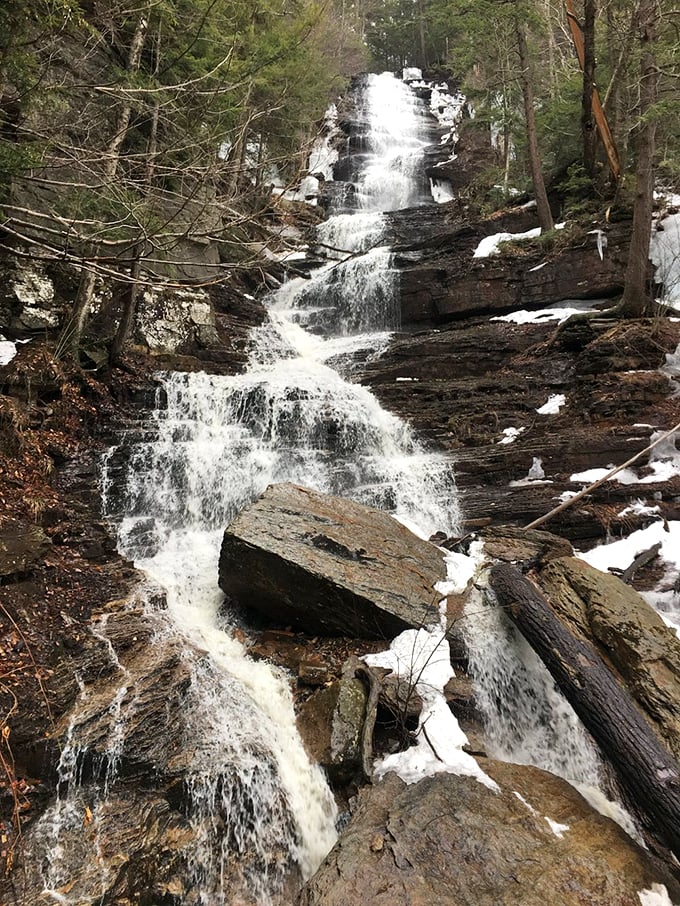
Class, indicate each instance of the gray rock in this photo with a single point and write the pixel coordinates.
(452, 841)
(331, 724)
(329, 565)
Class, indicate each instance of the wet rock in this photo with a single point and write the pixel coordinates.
(21, 545)
(512, 544)
(450, 840)
(331, 724)
(627, 631)
(329, 565)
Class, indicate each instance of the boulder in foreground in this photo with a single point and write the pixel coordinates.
(451, 841)
(329, 565)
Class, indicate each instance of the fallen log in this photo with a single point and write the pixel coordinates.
(646, 770)
(640, 560)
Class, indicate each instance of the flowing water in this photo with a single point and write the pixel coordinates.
(212, 446)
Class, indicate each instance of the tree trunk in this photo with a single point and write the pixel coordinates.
(544, 215)
(636, 301)
(123, 123)
(646, 770)
(72, 331)
(588, 130)
(129, 308)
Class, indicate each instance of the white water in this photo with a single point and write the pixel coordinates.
(395, 145)
(527, 719)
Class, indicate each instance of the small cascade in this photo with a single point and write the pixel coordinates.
(527, 719)
(392, 174)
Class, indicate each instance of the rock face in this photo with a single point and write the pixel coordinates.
(329, 565)
(627, 632)
(451, 841)
(474, 388)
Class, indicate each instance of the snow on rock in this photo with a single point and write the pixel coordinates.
(556, 828)
(8, 350)
(554, 404)
(620, 554)
(657, 895)
(558, 312)
(421, 658)
(490, 244)
(510, 435)
(441, 190)
(535, 475)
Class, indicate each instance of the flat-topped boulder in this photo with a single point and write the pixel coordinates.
(329, 565)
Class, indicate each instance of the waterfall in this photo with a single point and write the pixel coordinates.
(212, 445)
(527, 719)
(391, 178)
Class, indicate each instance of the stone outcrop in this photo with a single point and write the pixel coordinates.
(466, 384)
(629, 634)
(450, 840)
(329, 565)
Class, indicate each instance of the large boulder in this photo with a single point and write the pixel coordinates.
(628, 633)
(329, 565)
(450, 840)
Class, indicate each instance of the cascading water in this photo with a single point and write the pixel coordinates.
(395, 118)
(213, 445)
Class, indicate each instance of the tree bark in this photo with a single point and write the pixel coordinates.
(544, 214)
(646, 770)
(636, 301)
(588, 130)
(129, 308)
(72, 331)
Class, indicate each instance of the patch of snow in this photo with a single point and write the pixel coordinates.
(620, 554)
(421, 658)
(535, 475)
(639, 508)
(406, 380)
(554, 404)
(511, 435)
(558, 312)
(537, 268)
(460, 568)
(524, 802)
(626, 476)
(8, 350)
(490, 244)
(557, 829)
(566, 495)
(536, 472)
(657, 895)
(441, 190)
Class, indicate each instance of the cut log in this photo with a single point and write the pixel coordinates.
(646, 770)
